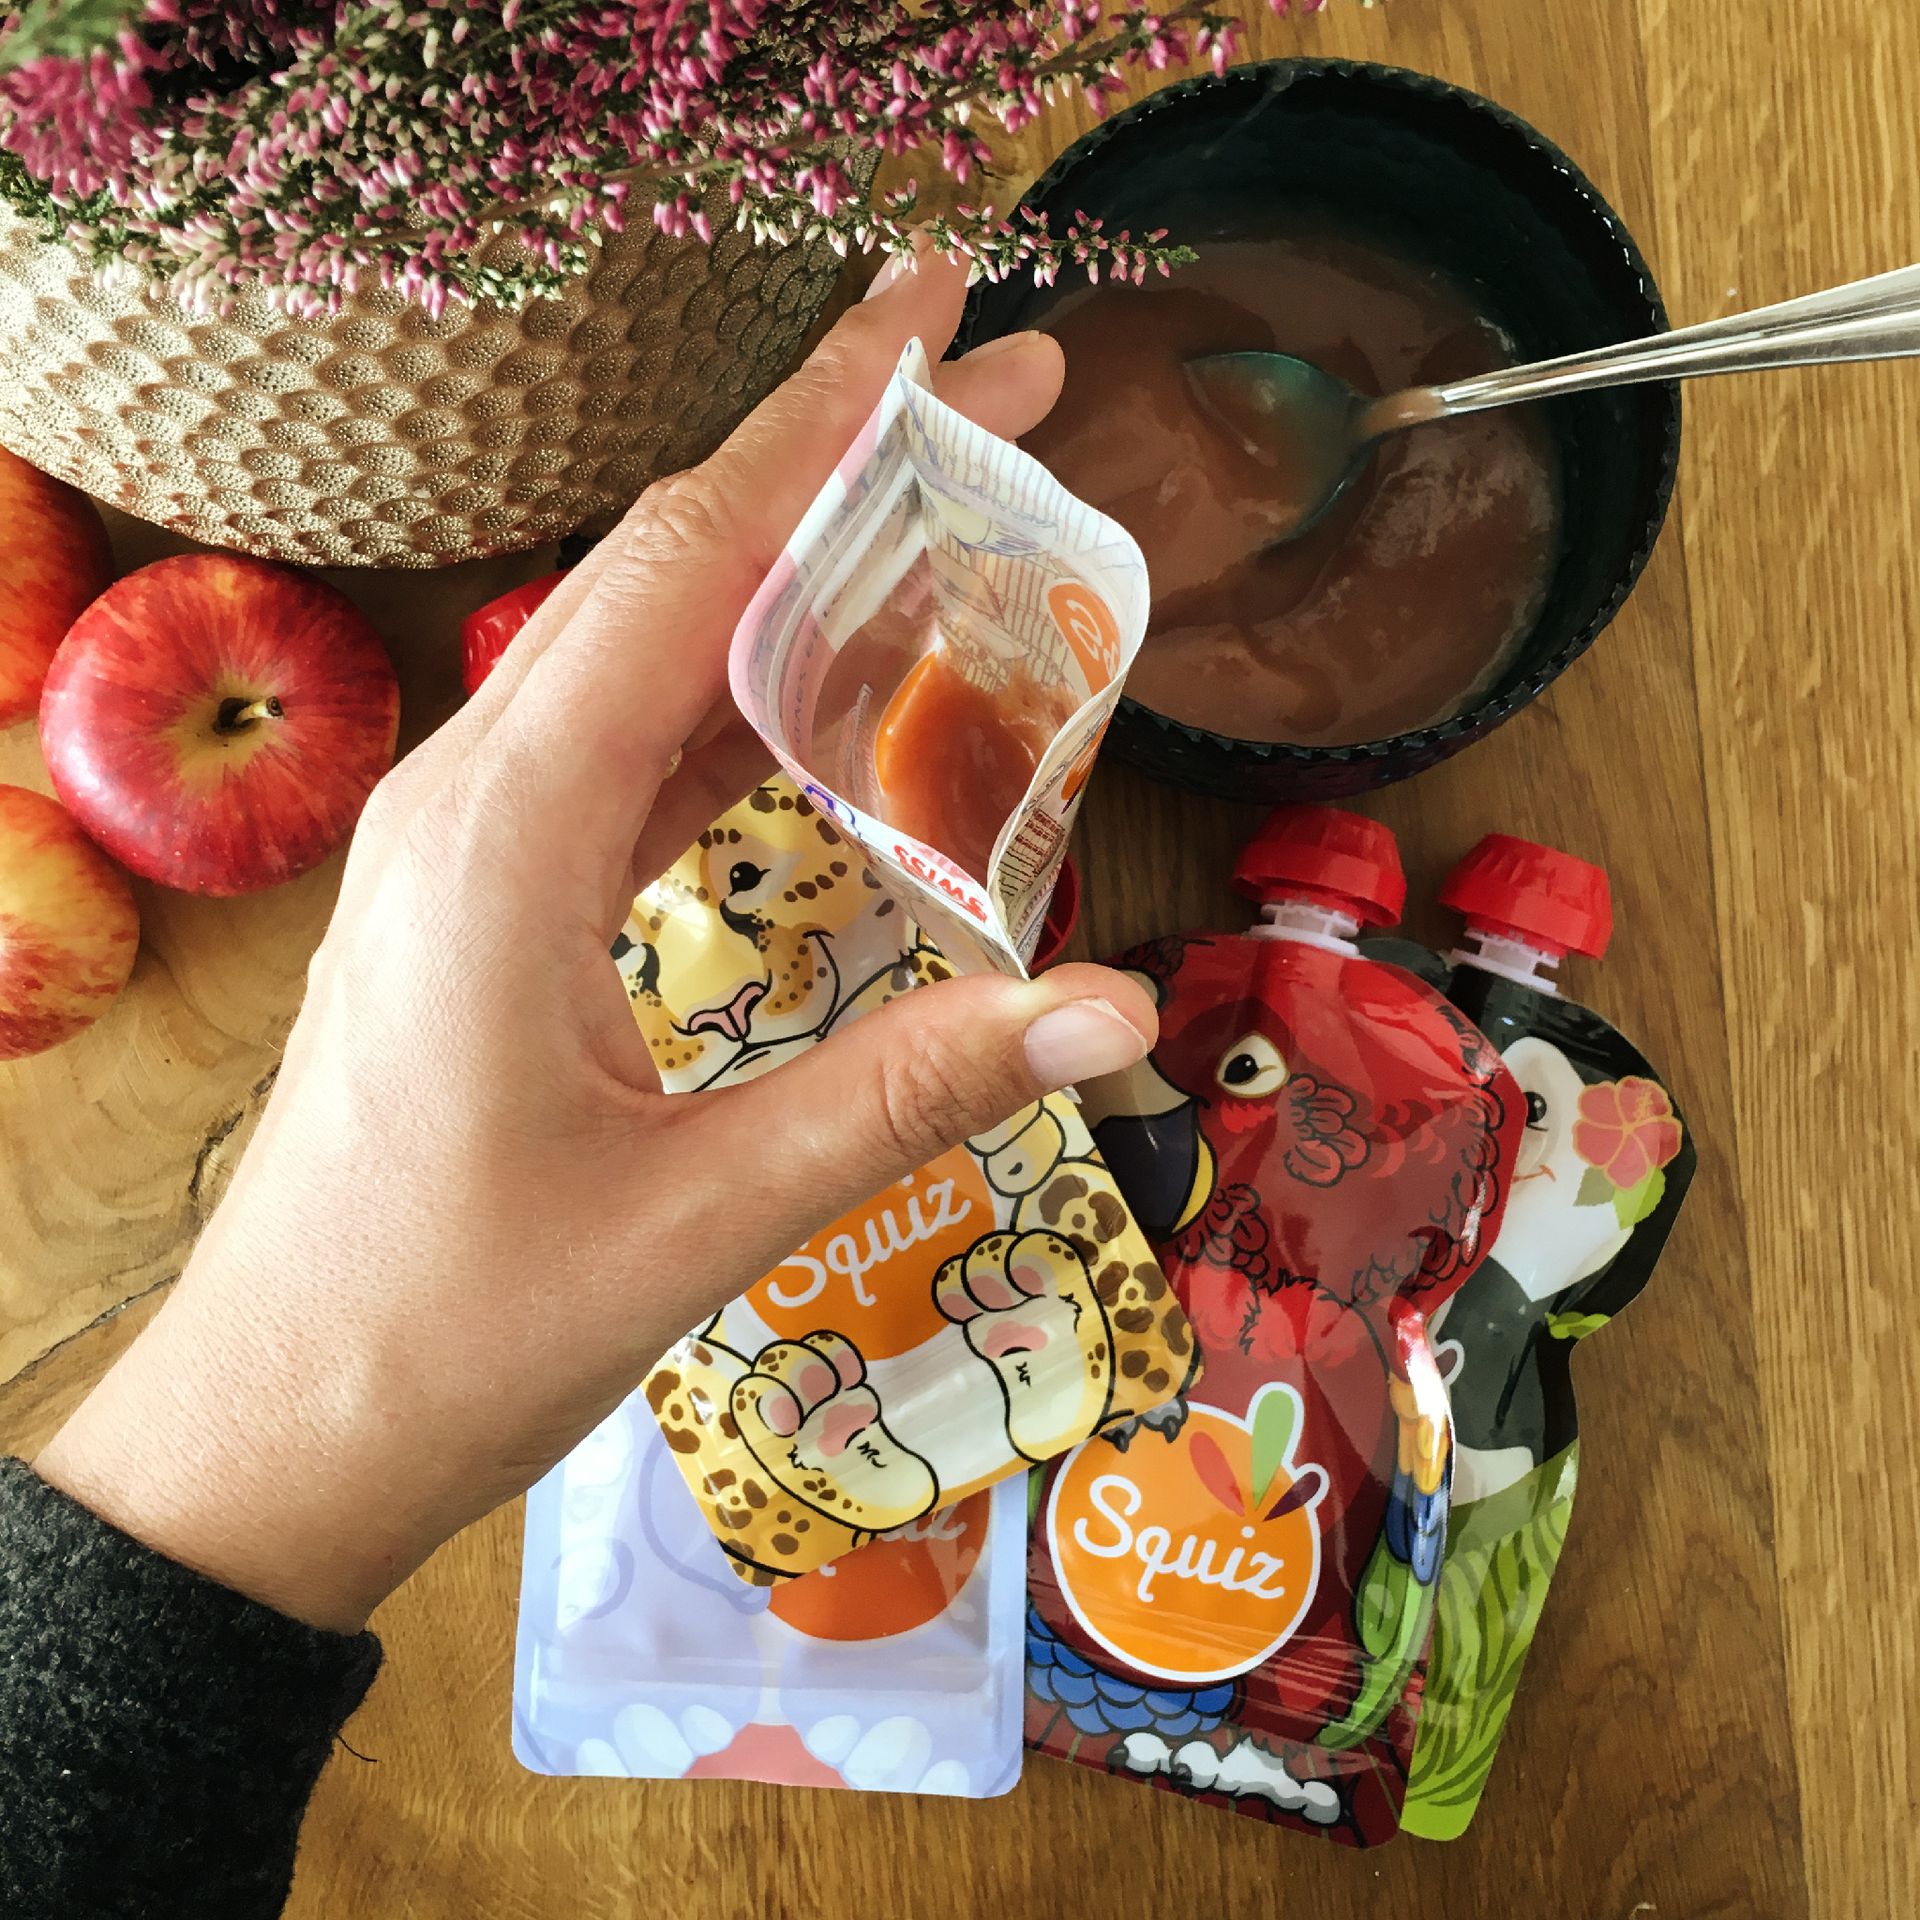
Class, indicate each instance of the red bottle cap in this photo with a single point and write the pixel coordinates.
(1534, 894)
(1062, 911)
(1326, 855)
(485, 632)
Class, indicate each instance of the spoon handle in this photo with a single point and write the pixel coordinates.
(1873, 319)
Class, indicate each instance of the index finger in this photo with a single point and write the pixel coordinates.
(628, 660)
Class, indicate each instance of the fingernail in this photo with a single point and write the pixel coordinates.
(1081, 1041)
(995, 347)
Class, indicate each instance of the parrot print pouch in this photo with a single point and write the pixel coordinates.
(1603, 1166)
(1231, 1598)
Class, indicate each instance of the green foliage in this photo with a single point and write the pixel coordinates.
(1575, 1326)
(65, 29)
(1490, 1603)
(1596, 1190)
(1391, 1612)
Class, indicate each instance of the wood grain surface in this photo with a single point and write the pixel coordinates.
(1716, 1716)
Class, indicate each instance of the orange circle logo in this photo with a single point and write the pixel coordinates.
(870, 1274)
(1193, 1558)
(893, 1584)
(1087, 627)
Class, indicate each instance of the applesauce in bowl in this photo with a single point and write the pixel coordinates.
(1396, 231)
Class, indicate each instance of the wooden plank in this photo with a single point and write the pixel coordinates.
(1786, 162)
(114, 1147)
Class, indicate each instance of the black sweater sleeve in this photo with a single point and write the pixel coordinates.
(159, 1733)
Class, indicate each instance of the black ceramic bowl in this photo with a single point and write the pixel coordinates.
(1445, 177)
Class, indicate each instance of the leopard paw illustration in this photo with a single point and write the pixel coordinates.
(1153, 1347)
(812, 1421)
(1028, 1307)
(1018, 1155)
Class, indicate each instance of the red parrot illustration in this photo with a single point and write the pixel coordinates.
(1317, 1147)
(1335, 1143)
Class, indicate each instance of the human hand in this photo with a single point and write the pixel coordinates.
(469, 1221)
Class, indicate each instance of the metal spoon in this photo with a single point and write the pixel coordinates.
(1318, 433)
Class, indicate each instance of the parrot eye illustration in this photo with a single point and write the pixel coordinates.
(1536, 1111)
(1251, 1068)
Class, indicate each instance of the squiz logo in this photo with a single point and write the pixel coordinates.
(846, 1276)
(1194, 1559)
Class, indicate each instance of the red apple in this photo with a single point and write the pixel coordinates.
(68, 928)
(217, 723)
(54, 559)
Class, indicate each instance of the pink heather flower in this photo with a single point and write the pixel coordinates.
(309, 150)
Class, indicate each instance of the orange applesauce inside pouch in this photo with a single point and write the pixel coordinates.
(933, 661)
(941, 740)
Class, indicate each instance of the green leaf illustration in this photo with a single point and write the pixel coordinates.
(1391, 1611)
(1490, 1601)
(1595, 1190)
(1033, 1495)
(1274, 1418)
(1636, 1203)
(1575, 1326)
(1381, 1602)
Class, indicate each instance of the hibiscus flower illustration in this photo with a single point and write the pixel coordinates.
(1627, 1129)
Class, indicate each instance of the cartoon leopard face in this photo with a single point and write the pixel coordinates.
(752, 943)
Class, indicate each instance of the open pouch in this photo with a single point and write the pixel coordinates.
(934, 659)
(945, 622)
(1603, 1167)
(641, 1655)
(1232, 1599)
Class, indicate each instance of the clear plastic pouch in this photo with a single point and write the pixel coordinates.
(642, 1655)
(934, 659)
(895, 1377)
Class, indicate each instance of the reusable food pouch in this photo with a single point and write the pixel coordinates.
(1603, 1165)
(933, 661)
(642, 1655)
(985, 1313)
(1232, 1598)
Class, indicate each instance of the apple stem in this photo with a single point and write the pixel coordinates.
(236, 716)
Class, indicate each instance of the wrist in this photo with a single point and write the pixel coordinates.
(203, 1456)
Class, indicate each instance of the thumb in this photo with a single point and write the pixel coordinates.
(910, 1080)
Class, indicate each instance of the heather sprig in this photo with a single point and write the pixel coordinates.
(313, 150)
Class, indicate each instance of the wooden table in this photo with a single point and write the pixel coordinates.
(1715, 1720)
